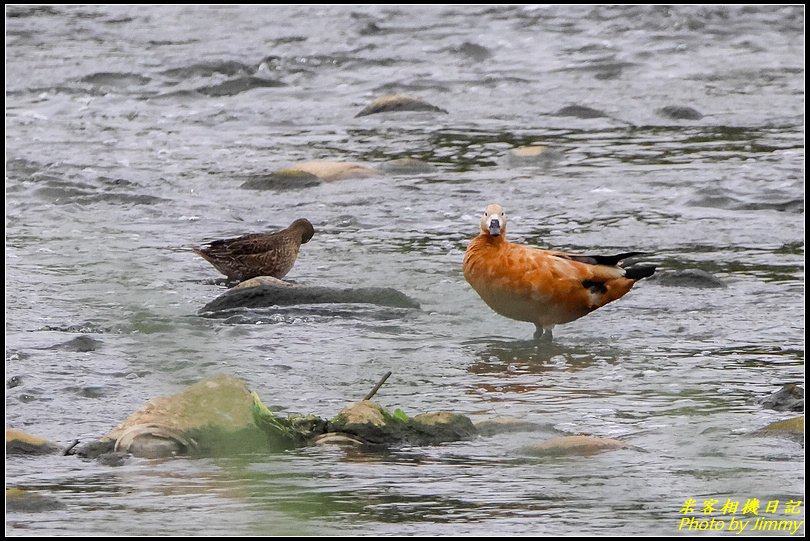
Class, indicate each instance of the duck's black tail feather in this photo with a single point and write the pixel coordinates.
(637, 272)
(611, 260)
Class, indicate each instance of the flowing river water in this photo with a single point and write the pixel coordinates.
(677, 131)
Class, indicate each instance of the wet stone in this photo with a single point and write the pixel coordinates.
(270, 295)
(687, 278)
(789, 398)
(329, 171)
(407, 166)
(23, 501)
(675, 112)
(238, 85)
(81, 344)
(580, 111)
(22, 443)
(398, 103)
(574, 445)
(281, 180)
(792, 429)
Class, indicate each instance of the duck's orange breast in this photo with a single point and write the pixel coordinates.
(539, 286)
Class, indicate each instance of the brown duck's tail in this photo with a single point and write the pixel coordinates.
(200, 252)
(637, 272)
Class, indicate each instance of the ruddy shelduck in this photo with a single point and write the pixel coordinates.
(544, 287)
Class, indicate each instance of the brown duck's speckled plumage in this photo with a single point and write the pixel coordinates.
(258, 254)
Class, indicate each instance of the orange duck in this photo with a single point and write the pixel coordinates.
(258, 254)
(544, 287)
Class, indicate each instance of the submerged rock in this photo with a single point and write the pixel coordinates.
(529, 151)
(271, 295)
(473, 51)
(574, 445)
(22, 443)
(789, 398)
(80, 344)
(282, 180)
(687, 278)
(327, 171)
(580, 111)
(397, 103)
(676, 112)
(792, 429)
(407, 166)
(535, 154)
(505, 424)
(20, 500)
(238, 85)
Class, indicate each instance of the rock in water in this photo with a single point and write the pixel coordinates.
(327, 171)
(676, 112)
(574, 445)
(580, 111)
(272, 295)
(688, 278)
(789, 398)
(191, 420)
(397, 103)
(21, 443)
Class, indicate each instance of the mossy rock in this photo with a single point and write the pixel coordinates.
(198, 418)
(372, 423)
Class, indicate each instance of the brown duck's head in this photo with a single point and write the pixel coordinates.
(493, 222)
(303, 226)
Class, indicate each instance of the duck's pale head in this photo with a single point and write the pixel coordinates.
(493, 222)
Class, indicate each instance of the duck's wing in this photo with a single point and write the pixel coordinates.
(254, 243)
(634, 272)
(610, 260)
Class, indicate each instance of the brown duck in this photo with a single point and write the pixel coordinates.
(258, 254)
